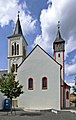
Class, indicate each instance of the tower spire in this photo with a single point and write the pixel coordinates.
(58, 33)
(18, 29)
(58, 36)
(59, 50)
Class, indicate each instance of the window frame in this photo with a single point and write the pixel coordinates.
(12, 50)
(67, 95)
(44, 81)
(30, 88)
(59, 55)
(17, 52)
(15, 47)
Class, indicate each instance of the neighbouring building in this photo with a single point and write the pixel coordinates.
(72, 99)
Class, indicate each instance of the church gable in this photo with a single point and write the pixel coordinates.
(39, 54)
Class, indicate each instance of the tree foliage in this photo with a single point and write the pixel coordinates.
(10, 87)
(74, 90)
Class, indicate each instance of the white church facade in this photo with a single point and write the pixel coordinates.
(41, 75)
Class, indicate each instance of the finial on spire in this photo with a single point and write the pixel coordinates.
(18, 13)
(18, 29)
(58, 25)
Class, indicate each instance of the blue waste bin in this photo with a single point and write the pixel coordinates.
(7, 104)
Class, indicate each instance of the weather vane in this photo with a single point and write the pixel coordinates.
(18, 13)
(58, 24)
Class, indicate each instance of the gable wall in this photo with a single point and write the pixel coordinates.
(39, 65)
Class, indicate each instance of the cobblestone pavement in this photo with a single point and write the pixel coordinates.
(39, 115)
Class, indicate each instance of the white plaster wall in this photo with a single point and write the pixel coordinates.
(2, 97)
(39, 65)
(60, 60)
(24, 44)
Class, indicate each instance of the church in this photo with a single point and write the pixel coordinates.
(41, 75)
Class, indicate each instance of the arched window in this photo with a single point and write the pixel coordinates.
(44, 83)
(13, 68)
(30, 84)
(67, 95)
(12, 50)
(17, 49)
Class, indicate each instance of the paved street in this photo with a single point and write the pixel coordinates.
(41, 115)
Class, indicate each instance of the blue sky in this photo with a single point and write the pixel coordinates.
(39, 24)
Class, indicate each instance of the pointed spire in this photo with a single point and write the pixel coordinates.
(18, 29)
(58, 33)
(58, 36)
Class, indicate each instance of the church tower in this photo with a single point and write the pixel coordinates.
(17, 48)
(59, 50)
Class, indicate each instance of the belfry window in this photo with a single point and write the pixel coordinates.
(12, 49)
(15, 49)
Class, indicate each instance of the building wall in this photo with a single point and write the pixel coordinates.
(67, 101)
(60, 60)
(36, 66)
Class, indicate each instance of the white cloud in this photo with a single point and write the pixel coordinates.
(28, 23)
(74, 59)
(48, 21)
(40, 41)
(70, 45)
(8, 12)
(70, 69)
(63, 10)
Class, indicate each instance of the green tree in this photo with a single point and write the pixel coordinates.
(10, 87)
(74, 92)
